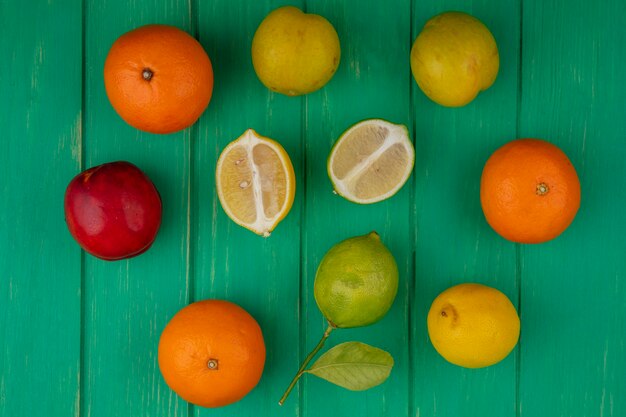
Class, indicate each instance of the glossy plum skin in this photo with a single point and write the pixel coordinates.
(113, 210)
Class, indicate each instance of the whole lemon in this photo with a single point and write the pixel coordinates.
(454, 58)
(473, 325)
(295, 53)
(356, 282)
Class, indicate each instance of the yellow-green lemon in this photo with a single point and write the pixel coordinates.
(356, 282)
(371, 161)
(295, 53)
(454, 58)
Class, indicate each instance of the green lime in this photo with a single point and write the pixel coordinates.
(356, 282)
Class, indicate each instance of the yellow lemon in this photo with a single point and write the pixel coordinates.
(255, 182)
(454, 58)
(473, 326)
(295, 53)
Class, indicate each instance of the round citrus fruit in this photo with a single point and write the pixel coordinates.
(158, 78)
(371, 161)
(356, 282)
(529, 191)
(212, 353)
(454, 58)
(295, 53)
(473, 326)
(255, 182)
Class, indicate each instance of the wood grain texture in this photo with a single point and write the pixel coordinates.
(128, 303)
(560, 81)
(39, 154)
(371, 82)
(454, 242)
(573, 288)
(260, 274)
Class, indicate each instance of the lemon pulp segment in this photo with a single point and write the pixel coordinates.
(255, 182)
(371, 161)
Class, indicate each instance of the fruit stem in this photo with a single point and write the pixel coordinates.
(306, 362)
(542, 189)
(147, 74)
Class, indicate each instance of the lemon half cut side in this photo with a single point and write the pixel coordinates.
(255, 182)
(371, 161)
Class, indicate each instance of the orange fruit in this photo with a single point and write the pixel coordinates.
(212, 353)
(158, 78)
(529, 191)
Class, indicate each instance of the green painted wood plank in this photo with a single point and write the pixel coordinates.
(454, 242)
(260, 274)
(573, 325)
(40, 115)
(573, 294)
(128, 303)
(372, 81)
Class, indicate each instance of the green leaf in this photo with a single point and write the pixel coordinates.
(354, 366)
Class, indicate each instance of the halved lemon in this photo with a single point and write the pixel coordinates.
(371, 161)
(255, 182)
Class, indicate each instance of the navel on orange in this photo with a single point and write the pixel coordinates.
(529, 191)
(158, 78)
(212, 353)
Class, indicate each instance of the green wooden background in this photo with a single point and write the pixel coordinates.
(78, 336)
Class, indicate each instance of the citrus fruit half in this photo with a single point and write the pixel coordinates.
(371, 161)
(212, 353)
(158, 78)
(473, 325)
(356, 282)
(529, 191)
(255, 182)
